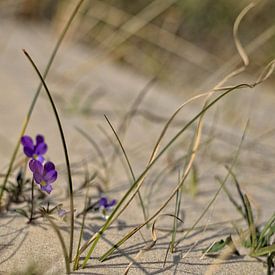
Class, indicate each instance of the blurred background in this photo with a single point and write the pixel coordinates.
(179, 41)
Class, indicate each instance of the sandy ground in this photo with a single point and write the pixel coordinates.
(82, 98)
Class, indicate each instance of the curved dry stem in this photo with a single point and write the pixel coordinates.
(152, 243)
(237, 41)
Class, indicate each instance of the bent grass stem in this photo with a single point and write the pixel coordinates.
(64, 148)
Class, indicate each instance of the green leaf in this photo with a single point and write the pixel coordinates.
(250, 222)
(215, 247)
(219, 245)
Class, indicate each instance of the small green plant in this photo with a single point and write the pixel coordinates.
(257, 240)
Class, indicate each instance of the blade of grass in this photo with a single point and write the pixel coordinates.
(238, 189)
(61, 132)
(153, 242)
(265, 230)
(129, 165)
(76, 261)
(219, 190)
(230, 197)
(263, 251)
(177, 210)
(250, 222)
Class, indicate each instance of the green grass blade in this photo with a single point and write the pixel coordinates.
(250, 222)
(76, 261)
(232, 200)
(263, 251)
(221, 186)
(177, 211)
(64, 148)
(238, 189)
(265, 230)
(129, 165)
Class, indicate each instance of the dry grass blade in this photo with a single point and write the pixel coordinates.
(152, 243)
(238, 44)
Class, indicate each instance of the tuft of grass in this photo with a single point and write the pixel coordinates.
(257, 241)
(154, 159)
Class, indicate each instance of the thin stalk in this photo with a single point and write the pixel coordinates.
(220, 188)
(129, 165)
(250, 222)
(64, 148)
(32, 201)
(172, 243)
(76, 261)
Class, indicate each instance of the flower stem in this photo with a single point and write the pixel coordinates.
(32, 201)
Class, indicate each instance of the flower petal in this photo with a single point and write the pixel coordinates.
(41, 148)
(28, 151)
(39, 139)
(26, 141)
(49, 166)
(36, 166)
(111, 203)
(48, 188)
(50, 176)
(103, 202)
(37, 177)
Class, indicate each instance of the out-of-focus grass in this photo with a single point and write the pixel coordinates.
(181, 41)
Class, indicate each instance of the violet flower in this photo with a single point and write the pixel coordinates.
(44, 175)
(34, 151)
(103, 203)
(106, 206)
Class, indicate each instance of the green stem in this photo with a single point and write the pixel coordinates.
(129, 165)
(32, 202)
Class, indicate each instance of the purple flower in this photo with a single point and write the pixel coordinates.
(103, 203)
(44, 175)
(34, 151)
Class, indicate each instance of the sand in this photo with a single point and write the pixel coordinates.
(82, 99)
